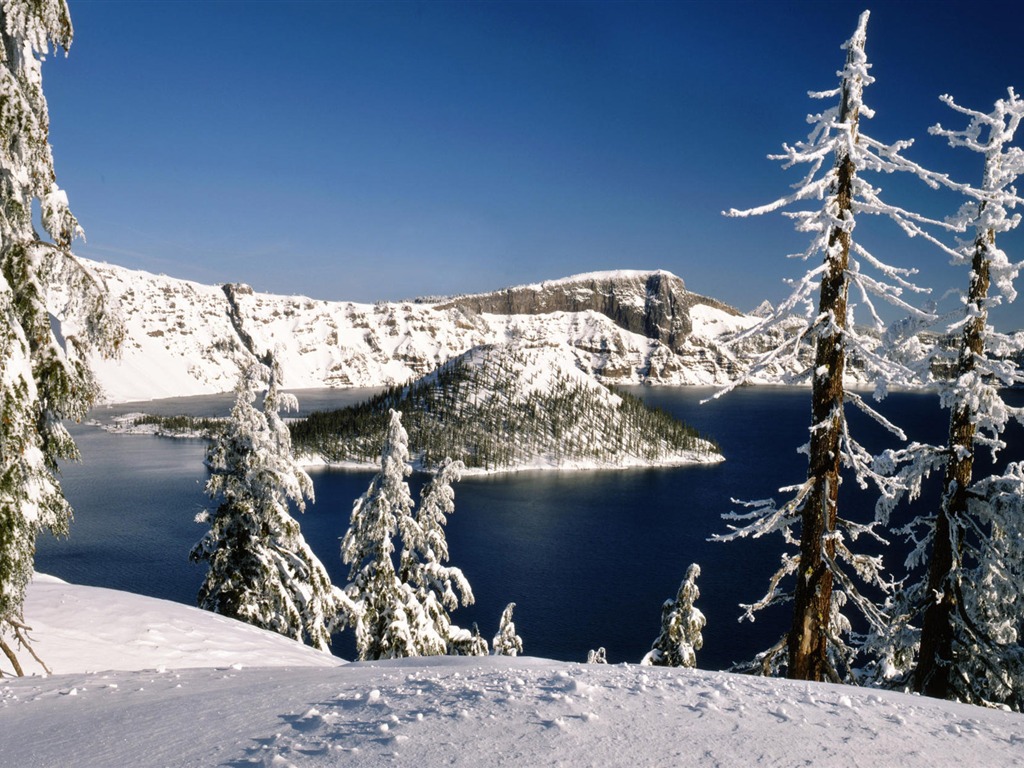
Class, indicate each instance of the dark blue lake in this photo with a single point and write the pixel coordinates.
(588, 557)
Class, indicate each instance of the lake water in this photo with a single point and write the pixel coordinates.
(588, 557)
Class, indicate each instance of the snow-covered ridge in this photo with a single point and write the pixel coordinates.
(92, 629)
(183, 338)
(608, 275)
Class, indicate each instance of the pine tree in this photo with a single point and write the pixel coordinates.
(968, 642)
(261, 570)
(681, 625)
(467, 642)
(951, 637)
(46, 378)
(388, 611)
(507, 642)
(815, 646)
(438, 587)
(404, 612)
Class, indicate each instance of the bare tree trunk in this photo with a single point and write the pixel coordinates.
(12, 657)
(808, 637)
(809, 633)
(932, 676)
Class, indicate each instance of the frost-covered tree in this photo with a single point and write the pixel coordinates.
(384, 628)
(820, 311)
(507, 642)
(958, 629)
(968, 646)
(261, 570)
(52, 311)
(404, 612)
(439, 588)
(467, 642)
(681, 625)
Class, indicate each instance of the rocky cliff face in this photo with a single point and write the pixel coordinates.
(185, 338)
(652, 304)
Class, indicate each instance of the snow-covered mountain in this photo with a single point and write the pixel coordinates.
(184, 338)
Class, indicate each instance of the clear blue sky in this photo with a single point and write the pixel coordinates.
(384, 150)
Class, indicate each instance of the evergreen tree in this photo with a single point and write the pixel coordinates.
(958, 629)
(261, 570)
(404, 612)
(388, 610)
(507, 642)
(820, 310)
(467, 642)
(45, 377)
(968, 642)
(681, 625)
(438, 587)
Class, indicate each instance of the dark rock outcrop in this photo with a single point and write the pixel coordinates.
(655, 304)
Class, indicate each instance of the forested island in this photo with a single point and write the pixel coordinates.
(502, 407)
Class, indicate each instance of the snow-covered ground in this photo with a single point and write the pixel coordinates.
(195, 689)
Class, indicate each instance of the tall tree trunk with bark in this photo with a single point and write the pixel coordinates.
(935, 660)
(809, 635)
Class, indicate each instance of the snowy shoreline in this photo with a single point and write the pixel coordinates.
(121, 426)
(311, 463)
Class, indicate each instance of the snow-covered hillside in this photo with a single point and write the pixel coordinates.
(176, 702)
(184, 338)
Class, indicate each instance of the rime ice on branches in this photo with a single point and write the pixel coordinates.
(829, 202)
(957, 615)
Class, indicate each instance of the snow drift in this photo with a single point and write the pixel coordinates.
(179, 702)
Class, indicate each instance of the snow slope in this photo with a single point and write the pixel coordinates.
(176, 709)
(91, 629)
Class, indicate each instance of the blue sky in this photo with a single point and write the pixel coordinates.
(385, 150)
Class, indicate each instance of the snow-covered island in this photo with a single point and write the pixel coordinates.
(497, 408)
(146, 682)
(508, 407)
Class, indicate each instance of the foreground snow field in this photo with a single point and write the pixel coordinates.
(195, 689)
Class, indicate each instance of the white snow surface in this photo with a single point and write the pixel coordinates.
(209, 693)
(710, 322)
(92, 629)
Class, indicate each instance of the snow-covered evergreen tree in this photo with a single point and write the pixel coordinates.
(507, 642)
(968, 645)
(390, 617)
(467, 642)
(820, 311)
(681, 625)
(45, 377)
(260, 568)
(438, 587)
(404, 612)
